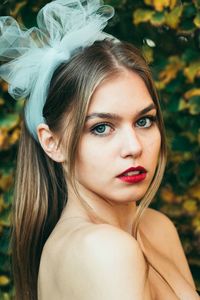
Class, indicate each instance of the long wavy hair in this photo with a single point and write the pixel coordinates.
(41, 184)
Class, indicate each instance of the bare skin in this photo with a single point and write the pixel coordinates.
(83, 260)
(62, 275)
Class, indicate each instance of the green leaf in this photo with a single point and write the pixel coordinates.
(142, 15)
(5, 218)
(190, 54)
(173, 105)
(8, 197)
(148, 53)
(116, 3)
(191, 124)
(197, 3)
(4, 239)
(197, 20)
(157, 19)
(189, 10)
(173, 18)
(19, 106)
(4, 263)
(186, 172)
(181, 143)
(194, 105)
(187, 27)
(192, 71)
(9, 121)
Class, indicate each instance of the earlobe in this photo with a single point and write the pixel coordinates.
(49, 142)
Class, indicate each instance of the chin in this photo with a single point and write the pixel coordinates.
(124, 197)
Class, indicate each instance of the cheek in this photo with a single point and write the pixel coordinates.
(88, 152)
(90, 156)
(156, 148)
(154, 140)
(152, 145)
(157, 142)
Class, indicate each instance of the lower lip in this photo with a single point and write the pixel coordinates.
(133, 179)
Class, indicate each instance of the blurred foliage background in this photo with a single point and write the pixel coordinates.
(168, 32)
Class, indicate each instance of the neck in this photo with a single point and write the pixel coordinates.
(119, 214)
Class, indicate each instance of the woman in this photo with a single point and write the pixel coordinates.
(91, 158)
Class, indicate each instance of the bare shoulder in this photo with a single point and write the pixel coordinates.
(110, 243)
(161, 229)
(107, 263)
(165, 238)
(157, 221)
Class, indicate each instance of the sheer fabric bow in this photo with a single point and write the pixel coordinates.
(32, 55)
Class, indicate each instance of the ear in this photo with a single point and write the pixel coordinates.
(49, 143)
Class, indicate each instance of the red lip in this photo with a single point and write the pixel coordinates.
(139, 168)
(133, 178)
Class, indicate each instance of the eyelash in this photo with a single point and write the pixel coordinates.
(152, 119)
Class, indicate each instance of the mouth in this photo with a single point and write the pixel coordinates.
(133, 175)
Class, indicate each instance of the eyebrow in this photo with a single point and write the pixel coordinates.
(115, 117)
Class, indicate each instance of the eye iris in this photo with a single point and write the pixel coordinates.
(100, 128)
(142, 122)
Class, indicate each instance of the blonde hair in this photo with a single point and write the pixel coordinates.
(41, 188)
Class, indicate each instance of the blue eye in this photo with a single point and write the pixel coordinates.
(145, 122)
(101, 129)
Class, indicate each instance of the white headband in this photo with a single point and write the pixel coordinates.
(34, 54)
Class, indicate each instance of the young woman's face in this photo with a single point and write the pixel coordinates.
(120, 145)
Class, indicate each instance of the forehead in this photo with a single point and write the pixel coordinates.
(124, 93)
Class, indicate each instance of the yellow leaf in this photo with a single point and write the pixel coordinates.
(4, 280)
(198, 137)
(2, 101)
(4, 86)
(14, 136)
(192, 71)
(183, 104)
(159, 85)
(170, 72)
(2, 204)
(7, 296)
(192, 105)
(190, 206)
(191, 93)
(6, 181)
(148, 2)
(142, 15)
(171, 210)
(196, 223)
(161, 4)
(172, 18)
(194, 192)
(3, 139)
(197, 20)
(18, 7)
(172, 4)
(178, 157)
(148, 53)
(167, 194)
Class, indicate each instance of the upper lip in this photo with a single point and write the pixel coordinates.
(138, 168)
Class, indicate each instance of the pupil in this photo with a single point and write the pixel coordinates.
(142, 122)
(101, 128)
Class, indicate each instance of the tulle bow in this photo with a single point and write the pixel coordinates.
(32, 55)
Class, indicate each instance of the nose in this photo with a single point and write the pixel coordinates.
(130, 144)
